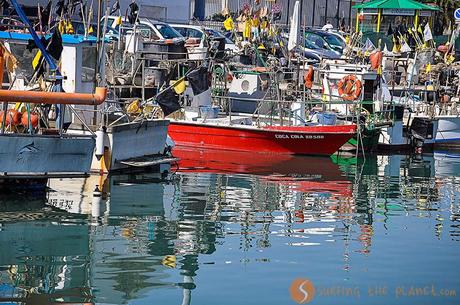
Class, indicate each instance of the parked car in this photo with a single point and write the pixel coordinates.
(194, 31)
(153, 29)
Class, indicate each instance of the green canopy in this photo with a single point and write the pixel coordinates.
(395, 4)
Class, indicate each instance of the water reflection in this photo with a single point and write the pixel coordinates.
(141, 237)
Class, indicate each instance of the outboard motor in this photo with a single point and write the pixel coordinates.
(421, 129)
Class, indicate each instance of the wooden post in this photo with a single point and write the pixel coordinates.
(416, 20)
(379, 19)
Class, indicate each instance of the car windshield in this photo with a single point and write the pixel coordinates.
(79, 28)
(166, 31)
(311, 45)
(333, 40)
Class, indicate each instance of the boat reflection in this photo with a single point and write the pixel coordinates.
(304, 173)
(114, 239)
(44, 254)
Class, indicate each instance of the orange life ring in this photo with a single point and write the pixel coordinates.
(350, 88)
(308, 77)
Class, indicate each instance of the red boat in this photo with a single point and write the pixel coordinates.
(298, 140)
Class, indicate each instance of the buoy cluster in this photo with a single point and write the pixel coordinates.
(16, 118)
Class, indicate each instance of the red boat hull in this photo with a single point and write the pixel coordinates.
(303, 140)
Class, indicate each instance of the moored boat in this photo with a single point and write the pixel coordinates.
(299, 140)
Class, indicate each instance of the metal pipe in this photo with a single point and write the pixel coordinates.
(44, 97)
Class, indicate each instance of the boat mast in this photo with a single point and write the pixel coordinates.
(97, 75)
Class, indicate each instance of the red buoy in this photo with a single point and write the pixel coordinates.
(13, 117)
(34, 118)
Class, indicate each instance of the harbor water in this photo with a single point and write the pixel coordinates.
(384, 230)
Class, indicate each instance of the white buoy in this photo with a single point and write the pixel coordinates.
(96, 203)
(100, 135)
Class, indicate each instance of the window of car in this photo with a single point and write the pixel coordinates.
(215, 33)
(334, 40)
(310, 45)
(315, 39)
(166, 31)
(181, 30)
(194, 33)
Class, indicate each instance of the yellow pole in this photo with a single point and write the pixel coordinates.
(416, 20)
(357, 22)
(379, 19)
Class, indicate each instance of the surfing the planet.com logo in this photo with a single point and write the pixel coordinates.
(302, 291)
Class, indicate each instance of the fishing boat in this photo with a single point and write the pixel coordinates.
(248, 108)
(298, 140)
(30, 149)
(123, 142)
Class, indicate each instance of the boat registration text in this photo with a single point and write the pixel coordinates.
(298, 136)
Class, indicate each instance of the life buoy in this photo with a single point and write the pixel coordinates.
(308, 77)
(349, 88)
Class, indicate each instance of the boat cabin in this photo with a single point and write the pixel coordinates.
(77, 66)
(335, 71)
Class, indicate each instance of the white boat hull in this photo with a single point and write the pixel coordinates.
(129, 141)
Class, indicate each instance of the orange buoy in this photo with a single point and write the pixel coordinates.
(376, 60)
(308, 77)
(13, 117)
(34, 118)
(443, 48)
(349, 88)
